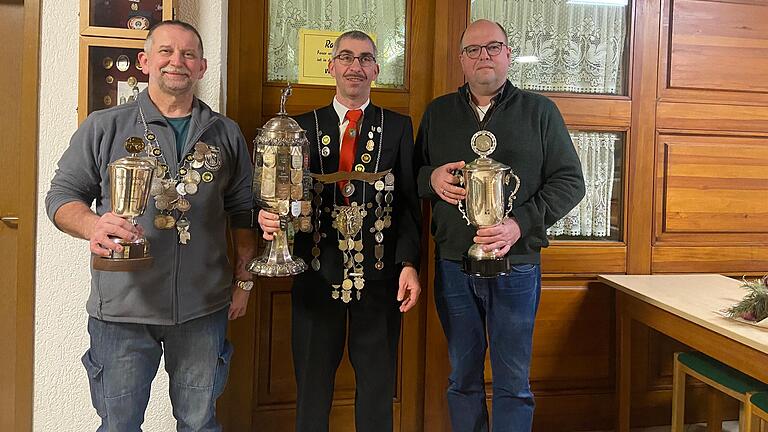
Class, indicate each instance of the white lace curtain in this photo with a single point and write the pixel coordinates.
(383, 18)
(592, 217)
(580, 48)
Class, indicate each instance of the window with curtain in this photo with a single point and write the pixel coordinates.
(383, 19)
(597, 217)
(573, 46)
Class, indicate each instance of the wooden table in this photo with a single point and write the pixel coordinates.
(683, 308)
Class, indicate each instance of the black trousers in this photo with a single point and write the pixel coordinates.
(319, 332)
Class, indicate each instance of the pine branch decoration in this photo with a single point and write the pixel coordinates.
(754, 305)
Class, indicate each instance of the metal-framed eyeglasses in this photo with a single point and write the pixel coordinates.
(493, 49)
(346, 59)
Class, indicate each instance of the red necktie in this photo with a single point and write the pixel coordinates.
(348, 147)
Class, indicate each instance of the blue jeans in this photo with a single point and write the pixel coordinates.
(123, 361)
(506, 307)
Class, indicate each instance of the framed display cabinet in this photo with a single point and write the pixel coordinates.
(110, 73)
(129, 19)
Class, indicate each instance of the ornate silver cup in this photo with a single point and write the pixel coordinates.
(281, 185)
(130, 179)
(486, 182)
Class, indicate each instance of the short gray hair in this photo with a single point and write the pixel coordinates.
(186, 26)
(356, 35)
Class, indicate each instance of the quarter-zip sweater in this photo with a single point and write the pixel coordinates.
(531, 138)
(185, 281)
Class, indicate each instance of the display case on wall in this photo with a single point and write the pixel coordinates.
(110, 73)
(129, 19)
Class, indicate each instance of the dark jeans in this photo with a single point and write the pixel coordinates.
(123, 361)
(321, 327)
(505, 307)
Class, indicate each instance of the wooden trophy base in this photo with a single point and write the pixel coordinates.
(122, 264)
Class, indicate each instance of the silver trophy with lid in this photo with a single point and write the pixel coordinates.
(486, 182)
(281, 185)
(130, 179)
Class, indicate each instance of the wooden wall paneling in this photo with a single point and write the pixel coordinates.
(741, 119)
(584, 258)
(736, 260)
(243, 104)
(712, 189)
(450, 20)
(590, 112)
(714, 51)
(645, 54)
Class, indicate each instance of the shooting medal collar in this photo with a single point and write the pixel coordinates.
(348, 219)
(172, 193)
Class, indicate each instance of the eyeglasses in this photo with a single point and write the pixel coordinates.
(366, 60)
(493, 49)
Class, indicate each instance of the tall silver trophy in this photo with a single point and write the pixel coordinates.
(281, 185)
(486, 182)
(130, 179)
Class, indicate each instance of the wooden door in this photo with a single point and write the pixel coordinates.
(261, 391)
(19, 26)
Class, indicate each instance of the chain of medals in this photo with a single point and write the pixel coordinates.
(172, 193)
(350, 247)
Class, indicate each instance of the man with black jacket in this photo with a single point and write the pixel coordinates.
(363, 281)
(534, 142)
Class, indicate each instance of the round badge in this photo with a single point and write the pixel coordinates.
(207, 176)
(379, 185)
(191, 188)
(150, 136)
(134, 6)
(326, 139)
(107, 100)
(365, 157)
(157, 152)
(189, 158)
(182, 171)
(197, 164)
(109, 79)
(347, 284)
(138, 22)
(483, 142)
(107, 62)
(180, 189)
(123, 63)
(359, 168)
(379, 265)
(325, 151)
(370, 134)
(183, 205)
(132, 81)
(370, 145)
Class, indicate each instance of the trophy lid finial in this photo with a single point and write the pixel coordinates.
(283, 98)
(134, 145)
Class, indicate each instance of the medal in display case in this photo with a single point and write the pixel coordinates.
(129, 19)
(110, 73)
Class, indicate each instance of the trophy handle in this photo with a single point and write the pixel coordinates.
(511, 199)
(457, 173)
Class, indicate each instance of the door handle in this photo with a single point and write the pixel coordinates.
(9, 219)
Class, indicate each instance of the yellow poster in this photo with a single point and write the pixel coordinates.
(315, 50)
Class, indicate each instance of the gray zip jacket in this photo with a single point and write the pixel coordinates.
(185, 281)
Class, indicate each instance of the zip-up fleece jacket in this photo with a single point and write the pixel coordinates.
(186, 281)
(531, 138)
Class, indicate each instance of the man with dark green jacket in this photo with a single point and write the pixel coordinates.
(533, 140)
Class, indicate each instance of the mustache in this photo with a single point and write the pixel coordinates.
(171, 69)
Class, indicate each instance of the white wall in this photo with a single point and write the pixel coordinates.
(62, 401)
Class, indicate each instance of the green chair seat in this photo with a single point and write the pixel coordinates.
(722, 374)
(760, 400)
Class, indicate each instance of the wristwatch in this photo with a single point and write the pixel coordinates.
(244, 285)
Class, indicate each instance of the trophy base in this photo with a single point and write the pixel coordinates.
(487, 267)
(122, 264)
(262, 267)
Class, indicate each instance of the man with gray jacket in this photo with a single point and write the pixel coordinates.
(180, 305)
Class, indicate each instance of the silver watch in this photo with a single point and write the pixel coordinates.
(244, 285)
